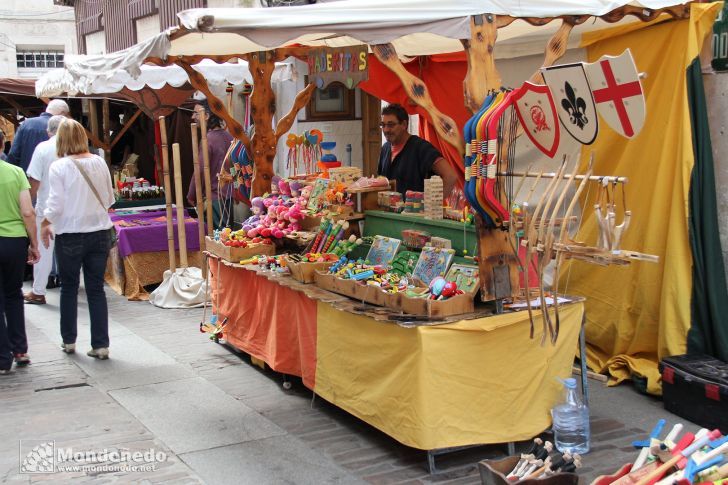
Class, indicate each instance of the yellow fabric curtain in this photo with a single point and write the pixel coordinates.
(639, 313)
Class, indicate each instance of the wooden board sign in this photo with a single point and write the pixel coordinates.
(347, 65)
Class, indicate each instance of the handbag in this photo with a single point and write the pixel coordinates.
(112, 231)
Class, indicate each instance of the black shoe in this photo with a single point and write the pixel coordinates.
(53, 282)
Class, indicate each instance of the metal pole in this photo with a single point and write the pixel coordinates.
(582, 359)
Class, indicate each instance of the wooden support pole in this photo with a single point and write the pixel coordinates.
(482, 75)
(216, 106)
(198, 188)
(302, 99)
(262, 110)
(93, 121)
(555, 49)
(124, 128)
(94, 139)
(167, 194)
(181, 232)
(416, 89)
(206, 171)
(497, 264)
(105, 122)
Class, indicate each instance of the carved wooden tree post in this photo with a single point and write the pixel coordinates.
(263, 108)
(261, 146)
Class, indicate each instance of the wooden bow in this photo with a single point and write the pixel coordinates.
(562, 239)
(546, 256)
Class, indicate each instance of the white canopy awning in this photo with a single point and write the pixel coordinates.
(414, 27)
(60, 82)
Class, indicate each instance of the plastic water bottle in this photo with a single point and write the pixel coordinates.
(571, 421)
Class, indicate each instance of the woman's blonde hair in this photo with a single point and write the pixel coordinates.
(71, 138)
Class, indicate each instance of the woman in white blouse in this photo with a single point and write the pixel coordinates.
(76, 215)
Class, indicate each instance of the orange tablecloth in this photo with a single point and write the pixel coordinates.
(270, 322)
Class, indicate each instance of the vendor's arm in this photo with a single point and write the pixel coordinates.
(447, 173)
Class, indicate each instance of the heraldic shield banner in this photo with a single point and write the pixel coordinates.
(537, 114)
(573, 99)
(617, 92)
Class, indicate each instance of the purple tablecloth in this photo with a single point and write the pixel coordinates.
(149, 234)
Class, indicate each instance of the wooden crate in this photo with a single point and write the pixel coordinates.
(345, 175)
(305, 271)
(235, 255)
(397, 302)
(493, 472)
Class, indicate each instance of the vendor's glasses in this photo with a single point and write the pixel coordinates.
(390, 124)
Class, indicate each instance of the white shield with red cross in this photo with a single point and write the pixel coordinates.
(617, 92)
(572, 96)
(537, 114)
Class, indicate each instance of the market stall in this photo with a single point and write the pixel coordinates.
(135, 260)
(139, 257)
(349, 295)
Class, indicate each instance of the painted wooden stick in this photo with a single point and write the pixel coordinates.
(336, 233)
(337, 239)
(329, 229)
(181, 232)
(167, 194)
(206, 170)
(322, 230)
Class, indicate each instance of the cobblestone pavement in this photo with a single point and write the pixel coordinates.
(215, 418)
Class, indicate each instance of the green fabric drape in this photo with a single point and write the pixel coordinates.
(708, 332)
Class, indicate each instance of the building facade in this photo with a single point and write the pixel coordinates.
(104, 26)
(35, 36)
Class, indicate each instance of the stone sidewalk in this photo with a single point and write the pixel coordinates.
(215, 418)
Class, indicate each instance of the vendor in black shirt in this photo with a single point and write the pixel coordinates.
(409, 159)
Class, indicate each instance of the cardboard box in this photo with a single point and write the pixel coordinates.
(305, 271)
(311, 223)
(235, 255)
(397, 302)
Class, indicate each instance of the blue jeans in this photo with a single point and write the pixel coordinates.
(87, 250)
(13, 254)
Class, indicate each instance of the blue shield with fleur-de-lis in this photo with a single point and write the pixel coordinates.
(572, 95)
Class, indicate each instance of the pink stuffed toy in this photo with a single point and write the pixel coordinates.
(284, 188)
(295, 216)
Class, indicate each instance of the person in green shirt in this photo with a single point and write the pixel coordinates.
(18, 244)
